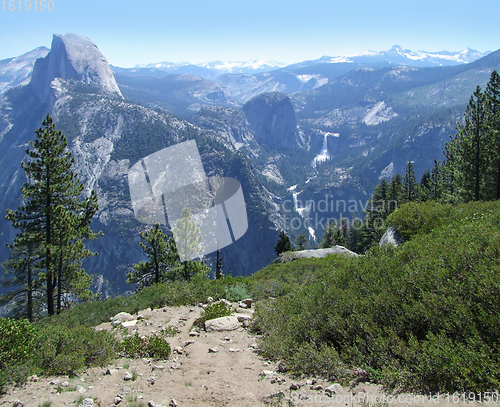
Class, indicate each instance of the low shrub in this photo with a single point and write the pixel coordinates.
(212, 311)
(235, 293)
(421, 317)
(152, 346)
(417, 218)
(17, 347)
(62, 350)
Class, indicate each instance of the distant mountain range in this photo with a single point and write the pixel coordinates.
(396, 55)
(300, 139)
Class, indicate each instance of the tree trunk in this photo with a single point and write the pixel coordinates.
(30, 288)
(59, 284)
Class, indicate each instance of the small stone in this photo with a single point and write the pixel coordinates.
(158, 367)
(151, 380)
(248, 302)
(210, 300)
(173, 403)
(81, 389)
(117, 400)
(65, 384)
(17, 403)
(34, 378)
(191, 309)
(318, 387)
(54, 382)
(190, 342)
(110, 371)
(282, 368)
(128, 376)
(88, 402)
(140, 317)
(242, 305)
(267, 373)
(295, 386)
(233, 350)
(215, 349)
(178, 350)
(194, 333)
(332, 390)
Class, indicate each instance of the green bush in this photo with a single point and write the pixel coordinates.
(235, 293)
(212, 311)
(64, 350)
(18, 341)
(421, 317)
(17, 348)
(152, 346)
(416, 218)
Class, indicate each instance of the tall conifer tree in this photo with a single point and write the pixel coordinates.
(54, 218)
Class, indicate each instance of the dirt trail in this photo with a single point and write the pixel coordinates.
(195, 377)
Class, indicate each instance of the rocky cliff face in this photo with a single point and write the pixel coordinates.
(271, 119)
(15, 71)
(107, 135)
(73, 57)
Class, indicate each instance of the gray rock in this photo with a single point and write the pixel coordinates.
(333, 389)
(81, 389)
(215, 349)
(122, 317)
(222, 324)
(117, 400)
(88, 402)
(128, 376)
(272, 120)
(17, 403)
(74, 57)
(243, 317)
(391, 237)
(318, 253)
(248, 302)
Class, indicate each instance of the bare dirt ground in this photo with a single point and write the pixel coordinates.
(193, 376)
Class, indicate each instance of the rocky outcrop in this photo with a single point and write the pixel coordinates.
(391, 236)
(272, 121)
(72, 57)
(318, 253)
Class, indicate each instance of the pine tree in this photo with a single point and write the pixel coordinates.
(395, 195)
(301, 241)
(188, 241)
(329, 236)
(492, 93)
(53, 217)
(473, 143)
(338, 238)
(410, 183)
(283, 245)
(163, 260)
(426, 186)
(436, 189)
(23, 267)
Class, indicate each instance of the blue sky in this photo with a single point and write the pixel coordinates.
(144, 31)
